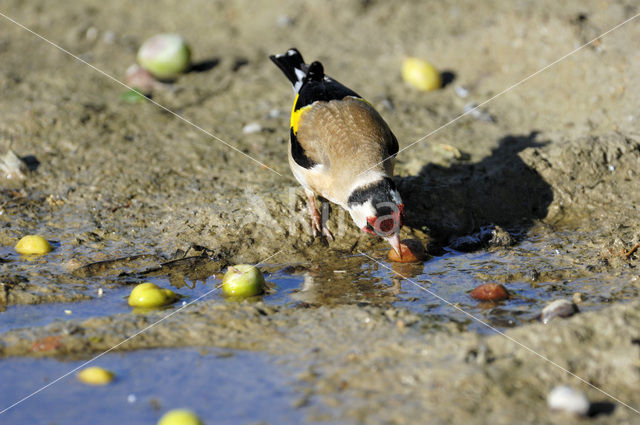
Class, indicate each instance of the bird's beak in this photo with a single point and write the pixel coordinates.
(394, 241)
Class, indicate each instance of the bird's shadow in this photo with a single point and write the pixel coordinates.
(601, 408)
(448, 77)
(205, 65)
(456, 200)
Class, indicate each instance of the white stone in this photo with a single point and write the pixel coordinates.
(567, 399)
(558, 308)
(250, 128)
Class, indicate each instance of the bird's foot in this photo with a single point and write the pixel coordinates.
(318, 227)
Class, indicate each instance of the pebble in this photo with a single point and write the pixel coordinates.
(567, 399)
(285, 21)
(461, 91)
(275, 113)
(251, 128)
(109, 37)
(448, 150)
(12, 167)
(558, 308)
(91, 34)
(500, 237)
(478, 113)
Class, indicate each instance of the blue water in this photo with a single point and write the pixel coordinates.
(222, 387)
(429, 288)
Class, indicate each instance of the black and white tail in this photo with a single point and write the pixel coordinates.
(293, 66)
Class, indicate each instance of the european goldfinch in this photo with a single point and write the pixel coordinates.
(342, 150)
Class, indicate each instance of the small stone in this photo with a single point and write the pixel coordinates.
(461, 91)
(251, 128)
(11, 166)
(500, 237)
(91, 34)
(478, 113)
(448, 150)
(567, 399)
(285, 21)
(558, 308)
(275, 113)
(109, 37)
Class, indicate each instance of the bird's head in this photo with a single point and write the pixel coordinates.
(377, 209)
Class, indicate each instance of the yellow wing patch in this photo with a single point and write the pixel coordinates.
(295, 115)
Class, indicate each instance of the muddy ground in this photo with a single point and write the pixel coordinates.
(558, 154)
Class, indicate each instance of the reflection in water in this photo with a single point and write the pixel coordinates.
(530, 271)
(346, 281)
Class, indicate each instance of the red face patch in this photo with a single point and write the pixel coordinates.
(375, 226)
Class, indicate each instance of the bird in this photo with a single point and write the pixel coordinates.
(342, 151)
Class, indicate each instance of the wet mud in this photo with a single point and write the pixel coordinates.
(537, 191)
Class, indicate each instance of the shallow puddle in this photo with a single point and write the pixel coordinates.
(238, 387)
(221, 386)
(534, 271)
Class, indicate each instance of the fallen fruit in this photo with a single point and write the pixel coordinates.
(243, 280)
(151, 295)
(33, 245)
(421, 74)
(165, 55)
(412, 252)
(140, 79)
(490, 292)
(48, 343)
(179, 417)
(95, 376)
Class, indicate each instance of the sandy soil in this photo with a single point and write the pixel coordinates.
(111, 179)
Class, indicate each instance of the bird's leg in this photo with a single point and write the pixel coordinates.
(325, 217)
(318, 226)
(316, 223)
